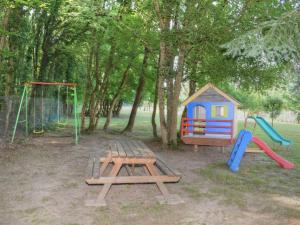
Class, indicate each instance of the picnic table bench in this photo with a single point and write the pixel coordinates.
(130, 155)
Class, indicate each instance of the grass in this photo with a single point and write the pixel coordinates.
(193, 191)
(142, 126)
(260, 177)
(256, 176)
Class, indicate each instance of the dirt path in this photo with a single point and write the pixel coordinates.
(43, 183)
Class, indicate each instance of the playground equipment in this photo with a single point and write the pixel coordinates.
(240, 146)
(270, 131)
(211, 118)
(46, 104)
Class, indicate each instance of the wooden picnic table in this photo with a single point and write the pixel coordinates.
(130, 155)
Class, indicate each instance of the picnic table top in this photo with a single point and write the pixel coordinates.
(130, 148)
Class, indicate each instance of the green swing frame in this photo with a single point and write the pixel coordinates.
(24, 97)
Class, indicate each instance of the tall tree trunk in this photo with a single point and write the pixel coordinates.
(163, 69)
(175, 98)
(88, 86)
(12, 25)
(167, 76)
(3, 44)
(37, 28)
(100, 90)
(8, 93)
(117, 96)
(3, 38)
(153, 122)
(93, 98)
(139, 92)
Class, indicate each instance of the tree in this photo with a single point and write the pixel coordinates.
(273, 106)
(275, 40)
(173, 43)
(139, 92)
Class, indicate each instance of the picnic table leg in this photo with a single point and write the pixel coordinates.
(161, 186)
(114, 172)
(128, 170)
(146, 170)
(167, 197)
(105, 164)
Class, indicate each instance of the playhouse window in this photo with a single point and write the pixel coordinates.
(219, 111)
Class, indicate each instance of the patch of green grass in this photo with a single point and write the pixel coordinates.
(31, 211)
(194, 191)
(282, 211)
(289, 131)
(257, 177)
(103, 215)
(156, 209)
(132, 206)
(230, 196)
(142, 125)
(263, 175)
(141, 209)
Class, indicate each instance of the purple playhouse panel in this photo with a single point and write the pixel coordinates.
(208, 113)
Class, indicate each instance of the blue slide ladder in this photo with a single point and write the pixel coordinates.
(239, 149)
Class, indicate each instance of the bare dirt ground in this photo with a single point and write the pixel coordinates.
(42, 183)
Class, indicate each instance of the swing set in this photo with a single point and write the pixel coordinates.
(45, 111)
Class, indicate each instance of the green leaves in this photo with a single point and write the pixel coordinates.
(273, 106)
(273, 41)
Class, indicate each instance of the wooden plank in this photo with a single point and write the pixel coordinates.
(138, 148)
(131, 145)
(94, 164)
(207, 141)
(146, 150)
(163, 189)
(127, 149)
(90, 168)
(121, 150)
(105, 164)
(113, 149)
(135, 160)
(134, 179)
(114, 172)
(129, 171)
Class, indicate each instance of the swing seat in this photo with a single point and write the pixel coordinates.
(38, 131)
(62, 123)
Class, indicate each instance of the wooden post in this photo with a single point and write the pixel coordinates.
(196, 148)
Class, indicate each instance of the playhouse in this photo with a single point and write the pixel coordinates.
(211, 118)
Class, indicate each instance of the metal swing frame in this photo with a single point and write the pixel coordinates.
(24, 97)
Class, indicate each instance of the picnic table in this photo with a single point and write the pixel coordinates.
(133, 156)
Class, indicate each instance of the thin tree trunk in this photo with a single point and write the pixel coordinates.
(93, 99)
(117, 96)
(192, 90)
(139, 92)
(100, 90)
(153, 122)
(3, 38)
(88, 86)
(8, 92)
(37, 27)
(163, 69)
(175, 100)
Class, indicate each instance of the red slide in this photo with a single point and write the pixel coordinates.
(281, 161)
